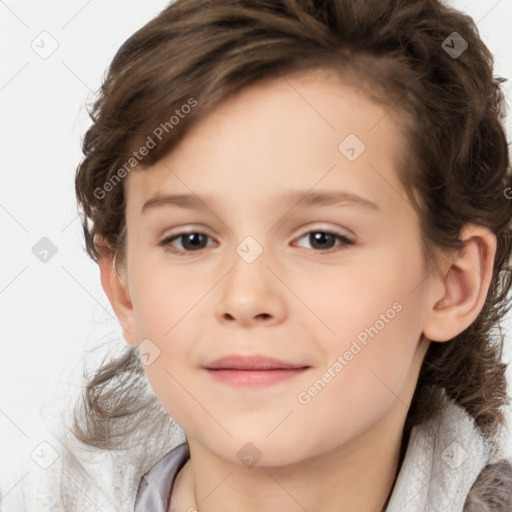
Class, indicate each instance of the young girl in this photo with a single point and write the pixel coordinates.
(263, 371)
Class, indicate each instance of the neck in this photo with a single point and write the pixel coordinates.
(358, 476)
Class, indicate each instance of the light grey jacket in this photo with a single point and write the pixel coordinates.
(448, 467)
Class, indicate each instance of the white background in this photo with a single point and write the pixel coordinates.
(54, 313)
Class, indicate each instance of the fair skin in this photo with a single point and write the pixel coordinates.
(297, 301)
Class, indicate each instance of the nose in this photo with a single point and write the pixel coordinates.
(251, 294)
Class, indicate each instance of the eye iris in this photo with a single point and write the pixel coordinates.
(320, 236)
(192, 240)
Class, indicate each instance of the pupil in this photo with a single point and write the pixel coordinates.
(192, 240)
(320, 237)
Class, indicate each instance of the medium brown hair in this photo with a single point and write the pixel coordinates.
(452, 108)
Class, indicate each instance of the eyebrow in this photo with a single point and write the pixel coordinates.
(302, 197)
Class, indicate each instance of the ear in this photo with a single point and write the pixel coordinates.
(461, 285)
(116, 289)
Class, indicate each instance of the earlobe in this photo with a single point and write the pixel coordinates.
(465, 280)
(116, 290)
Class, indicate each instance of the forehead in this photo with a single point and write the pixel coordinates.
(305, 130)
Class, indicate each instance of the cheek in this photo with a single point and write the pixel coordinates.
(372, 300)
(164, 306)
(376, 319)
(357, 389)
(162, 296)
(175, 394)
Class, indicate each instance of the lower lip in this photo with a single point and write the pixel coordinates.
(255, 378)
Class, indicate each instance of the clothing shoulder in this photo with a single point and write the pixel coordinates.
(492, 490)
(71, 478)
(450, 466)
(155, 487)
(75, 476)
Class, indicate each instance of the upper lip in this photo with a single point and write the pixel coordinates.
(254, 362)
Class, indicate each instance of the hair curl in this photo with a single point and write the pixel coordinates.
(452, 110)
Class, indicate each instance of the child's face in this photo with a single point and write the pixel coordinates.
(263, 283)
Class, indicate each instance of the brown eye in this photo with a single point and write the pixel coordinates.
(324, 241)
(190, 242)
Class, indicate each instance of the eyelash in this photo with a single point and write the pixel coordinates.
(347, 242)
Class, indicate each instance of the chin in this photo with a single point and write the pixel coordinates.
(258, 451)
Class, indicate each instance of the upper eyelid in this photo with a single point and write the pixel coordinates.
(203, 231)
